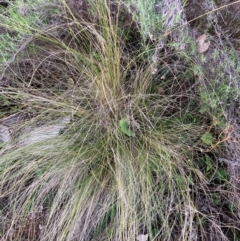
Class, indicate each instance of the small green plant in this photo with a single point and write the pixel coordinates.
(124, 127)
(207, 138)
(221, 174)
(208, 164)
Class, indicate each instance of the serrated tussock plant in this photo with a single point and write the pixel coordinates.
(127, 161)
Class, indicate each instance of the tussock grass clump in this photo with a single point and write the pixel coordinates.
(137, 156)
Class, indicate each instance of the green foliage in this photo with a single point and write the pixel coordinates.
(208, 163)
(207, 138)
(124, 127)
(215, 173)
(216, 198)
(150, 21)
(221, 174)
(39, 172)
(214, 99)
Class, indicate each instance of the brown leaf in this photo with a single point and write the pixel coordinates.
(201, 39)
(202, 45)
